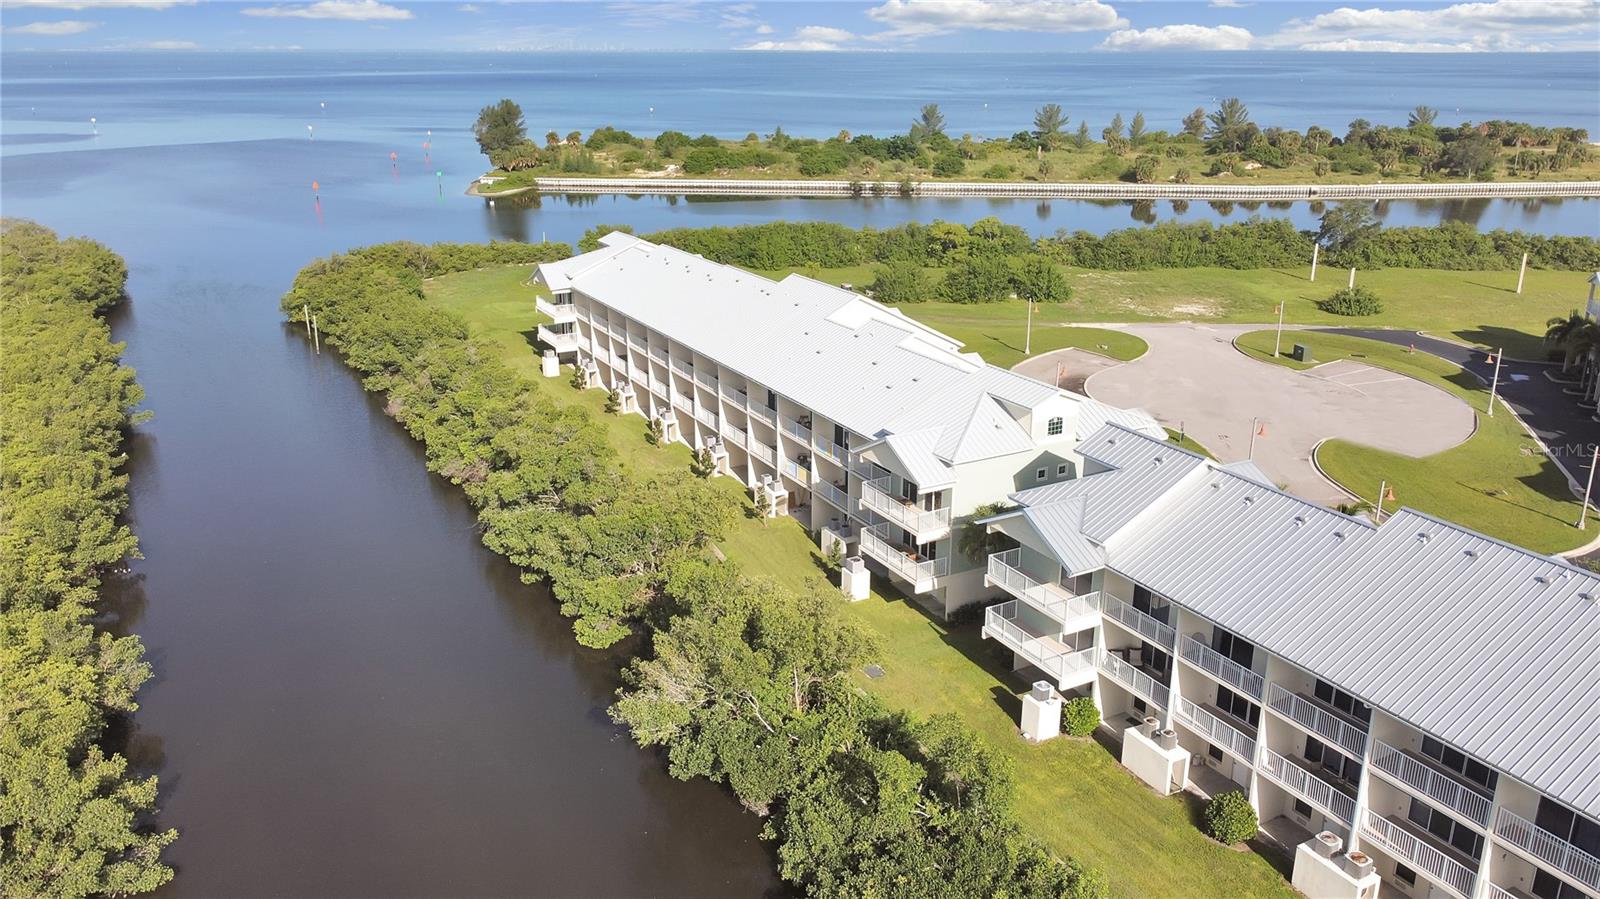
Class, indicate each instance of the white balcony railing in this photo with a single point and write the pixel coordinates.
(797, 430)
(683, 402)
(733, 395)
(762, 451)
(1068, 666)
(1047, 598)
(1216, 730)
(1547, 848)
(557, 312)
(924, 524)
(735, 435)
(1415, 853)
(833, 494)
(1308, 786)
(1318, 720)
(1137, 621)
(706, 416)
(1142, 684)
(759, 413)
(1430, 782)
(706, 379)
(658, 352)
(921, 574)
(1223, 668)
(797, 471)
(560, 341)
(828, 449)
(682, 368)
(1491, 891)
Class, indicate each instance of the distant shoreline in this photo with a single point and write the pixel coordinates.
(1049, 190)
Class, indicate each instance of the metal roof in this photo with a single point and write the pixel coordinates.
(1061, 526)
(1488, 646)
(1144, 469)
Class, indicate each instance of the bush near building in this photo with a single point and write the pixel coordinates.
(1229, 818)
(1079, 717)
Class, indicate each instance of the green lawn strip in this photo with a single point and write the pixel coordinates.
(1479, 308)
(1072, 794)
(1188, 443)
(1497, 482)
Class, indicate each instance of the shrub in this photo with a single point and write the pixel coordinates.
(900, 282)
(1352, 301)
(999, 171)
(1229, 818)
(1079, 717)
(949, 165)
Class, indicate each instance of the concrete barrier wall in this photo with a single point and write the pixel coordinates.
(1063, 190)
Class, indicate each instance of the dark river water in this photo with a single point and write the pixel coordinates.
(353, 697)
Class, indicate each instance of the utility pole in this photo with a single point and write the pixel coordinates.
(1277, 341)
(1583, 516)
(1027, 341)
(1254, 429)
(1522, 272)
(1316, 250)
(1494, 385)
(1352, 284)
(1383, 487)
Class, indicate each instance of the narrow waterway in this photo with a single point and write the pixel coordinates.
(353, 697)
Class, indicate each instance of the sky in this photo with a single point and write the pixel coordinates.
(981, 26)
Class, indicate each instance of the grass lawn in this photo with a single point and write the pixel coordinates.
(1072, 794)
(1496, 482)
(1188, 443)
(1480, 308)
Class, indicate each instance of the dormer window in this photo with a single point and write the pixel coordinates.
(1054, 427)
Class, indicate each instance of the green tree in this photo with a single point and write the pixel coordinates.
(929, 123)
(499, 126)
(1048, 122)
(591, 238)
(1136, 129)
(552, 139)
(1145, 168)
(1039, 281)
(1472, 156)
(1563, 332)
(1422, 116)
(1346, 226)
(900, 282)
(1194, 124)
(1080, 138)
(1229, 127)
(1229, 818)
(975, 541)
(1114, 129)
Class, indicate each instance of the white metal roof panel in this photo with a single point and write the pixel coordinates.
(1060, 526)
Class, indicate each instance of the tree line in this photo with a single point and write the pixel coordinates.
(991, 260)
(1220, 142)
(74, 820)
(740, 680)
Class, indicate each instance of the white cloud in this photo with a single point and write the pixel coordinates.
(809, 38)
(1180, 37)
(920, 18)
(54, 29)
(1228, 4)
(469, 8)
(343, 10)
(1476, 24)
(763, 28)
(159, 45)
(1488, 44)
(823, 33)
(95, 4)
(647, 14)
(793, 46)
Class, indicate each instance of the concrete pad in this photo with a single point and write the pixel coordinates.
(1067, 368)
(1193, 379)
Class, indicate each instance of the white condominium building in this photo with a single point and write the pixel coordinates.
(1429, 694)
(871, 428)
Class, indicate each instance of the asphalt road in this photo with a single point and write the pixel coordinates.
(1569, 432)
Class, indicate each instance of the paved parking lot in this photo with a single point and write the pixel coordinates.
(1194, 380)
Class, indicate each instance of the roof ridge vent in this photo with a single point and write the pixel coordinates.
(1423, 537)
(1299, 521)
(1470, 553)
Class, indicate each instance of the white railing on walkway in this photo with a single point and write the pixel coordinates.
(733, 395)
(1142, 684)
(762, 451)
(797, 471)
(1044, 652)
(828, 449)
(920, 573)
(1223, 668)
(558, 312)
(734, 434)
(922, 523)
(1548, 848)
(1308, 786)
(833, 494)
(1410, 849)
(1053, 601)
(797, 430)
(1491, 891)
(1214, 729)
(1320, 721)
(759, 413)
(707, 379)
(1431, 782)
(1137, 621)
(560, 341)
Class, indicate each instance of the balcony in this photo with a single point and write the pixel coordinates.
(637, 342)
(1312, 716)
(1547, 849)
(560, 313)
(560, 341)
(760, 413)
(658, 353)
(1137, 621)
(924, 525)
(833, 493)
(1069, 667)
(1396, 838)
(683, 368)
(797, 471)
(1210, 725)
(706, 379)
(921, 574)
(1224, 669)
(1299, 780)
(1413, 772)
(1136, 680)
(1074, 613)
(829, 450)
(683, 402)
(797, 430)
(734, 396)
(734, 435)
(705, 416)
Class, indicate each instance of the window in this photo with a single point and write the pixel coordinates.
(1151, 604)
(1301, 808)
(1078, 585)
(1460, 763)
(1215, 752)
(908, 491)
(1447, 829)
(1343, 701)
(1158, 660)
(1233, 647)
(1053, 427)
(772, 401)
(1333, 762)
(1138, 704)
(1061, 470)
(1238, 706)
(839, 438)
(928, 550)
(1568, 825)
(1549, 886)
(1405, 875)
(1041, 474)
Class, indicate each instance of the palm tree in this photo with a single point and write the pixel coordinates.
(1422, 115)
(1228, 125)
(1047, 124)
(1564, 332)
(929, 123)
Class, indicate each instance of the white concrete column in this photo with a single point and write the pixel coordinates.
(1363, 789)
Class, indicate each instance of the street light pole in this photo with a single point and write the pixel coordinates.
(1027, 341)
(1494, 384)
(1277, 342)
(1253, 429)
(1583, 516)
(1382, 486)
